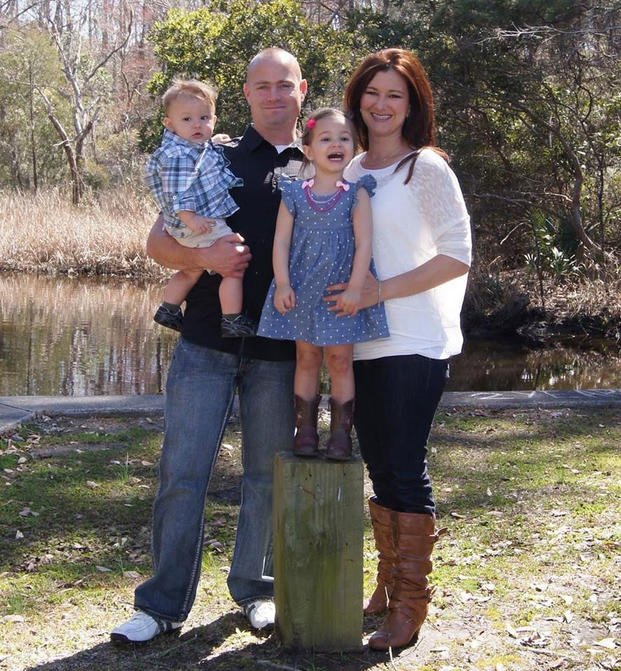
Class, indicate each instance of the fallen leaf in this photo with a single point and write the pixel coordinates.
(536, 640)
(511, 631)
(91, 484)
(131, 574)
(103, 569)
(608, 643)
(12, 618)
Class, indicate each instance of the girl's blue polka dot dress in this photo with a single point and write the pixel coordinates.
(321, 254)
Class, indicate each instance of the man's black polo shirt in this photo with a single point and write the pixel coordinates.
(258, 163)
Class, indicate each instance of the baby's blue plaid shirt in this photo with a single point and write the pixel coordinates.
(183, 175)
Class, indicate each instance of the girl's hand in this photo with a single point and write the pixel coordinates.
(284, 299)
(348, 302)
(368, 295)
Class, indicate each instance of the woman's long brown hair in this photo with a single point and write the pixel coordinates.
(419, 126)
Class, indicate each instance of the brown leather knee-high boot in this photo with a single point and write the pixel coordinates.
(306, 440)
(382, 520)
(408, 604)
(339, 444)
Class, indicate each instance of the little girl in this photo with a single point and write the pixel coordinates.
(323, 237)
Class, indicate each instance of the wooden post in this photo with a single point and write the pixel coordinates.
(318, 530)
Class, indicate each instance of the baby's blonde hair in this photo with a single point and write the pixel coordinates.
(189, 87)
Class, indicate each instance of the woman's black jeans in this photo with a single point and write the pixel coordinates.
(396, 399)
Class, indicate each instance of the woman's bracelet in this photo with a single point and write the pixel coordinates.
(379, 292)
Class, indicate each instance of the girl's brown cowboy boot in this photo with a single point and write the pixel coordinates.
(339, 444)
(306, 440)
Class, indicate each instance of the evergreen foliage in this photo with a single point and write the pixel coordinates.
(216, 43)
(528, 100)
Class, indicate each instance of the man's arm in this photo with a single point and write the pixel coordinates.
(228, 256)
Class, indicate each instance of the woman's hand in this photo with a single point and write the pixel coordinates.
(348, 302)
(284, 298)
(368, 297)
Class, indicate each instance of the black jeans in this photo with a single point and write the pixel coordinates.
(396, 399)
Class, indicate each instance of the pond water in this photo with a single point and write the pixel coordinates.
(81, 337)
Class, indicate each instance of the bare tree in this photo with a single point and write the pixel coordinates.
(85, 94)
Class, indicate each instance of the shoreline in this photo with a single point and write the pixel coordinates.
(15, 410)
(527, 324)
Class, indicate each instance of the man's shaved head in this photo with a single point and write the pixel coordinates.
(277, 55)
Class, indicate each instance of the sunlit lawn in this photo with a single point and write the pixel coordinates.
(526, 578)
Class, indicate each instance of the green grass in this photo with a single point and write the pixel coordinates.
(527, 573)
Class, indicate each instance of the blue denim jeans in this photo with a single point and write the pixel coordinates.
(396, 399)
(199, 396)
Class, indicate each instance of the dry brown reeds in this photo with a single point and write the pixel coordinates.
(104, 235)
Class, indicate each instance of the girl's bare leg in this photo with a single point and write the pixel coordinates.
(308, 364)
(339, 362)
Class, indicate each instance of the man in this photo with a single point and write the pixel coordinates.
(206, 370)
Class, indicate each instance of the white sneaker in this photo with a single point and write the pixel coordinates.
(142, 628)
(261, 613)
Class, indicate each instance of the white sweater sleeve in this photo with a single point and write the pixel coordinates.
(442, 206)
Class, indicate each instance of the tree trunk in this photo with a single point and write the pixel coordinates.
(33, 144)
(77, 184)
(575, 210)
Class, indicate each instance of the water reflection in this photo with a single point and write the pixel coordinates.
(495, 365)
(79, 337)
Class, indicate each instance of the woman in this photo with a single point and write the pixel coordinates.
(422, 252)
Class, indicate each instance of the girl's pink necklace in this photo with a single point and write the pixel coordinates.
(323, 205)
